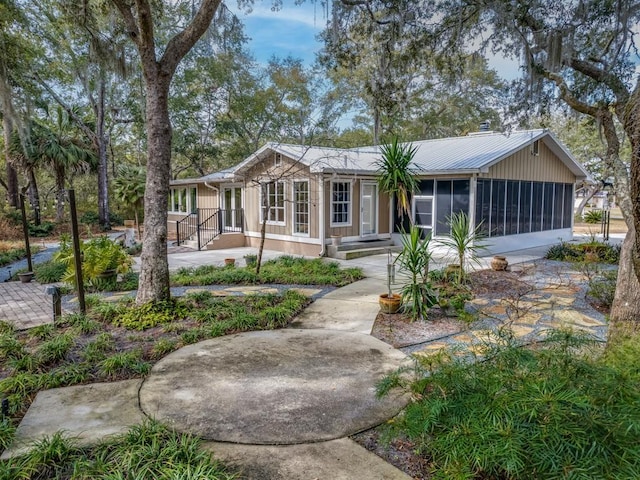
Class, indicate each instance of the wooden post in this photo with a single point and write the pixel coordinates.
(76, 251)
(25, 229)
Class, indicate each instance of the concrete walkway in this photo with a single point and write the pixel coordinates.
(25, 305)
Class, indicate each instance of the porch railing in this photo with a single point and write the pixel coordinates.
(208, 223)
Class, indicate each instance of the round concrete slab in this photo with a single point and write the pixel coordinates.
(274, 387)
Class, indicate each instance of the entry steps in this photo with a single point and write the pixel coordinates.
(351, 250)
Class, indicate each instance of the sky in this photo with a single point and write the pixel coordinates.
(291, 31)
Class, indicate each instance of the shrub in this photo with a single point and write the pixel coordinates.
(602, 287)
(11, 255)
(593, 216)
(152, 314)
(49, 271)
(42, 230)
(124, 363)
(564, 252)
(90, 218)
(553, 412)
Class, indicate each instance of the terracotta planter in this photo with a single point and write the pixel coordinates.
(499, 263)
(390, 304)
(25, 277)
(229, 262)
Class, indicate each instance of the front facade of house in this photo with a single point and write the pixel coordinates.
(519, 188)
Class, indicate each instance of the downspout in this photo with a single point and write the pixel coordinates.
(323, 252)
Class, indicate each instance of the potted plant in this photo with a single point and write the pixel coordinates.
(229, 262)
(102, 260)
(390, 302)
(251, 259)
(25, 277)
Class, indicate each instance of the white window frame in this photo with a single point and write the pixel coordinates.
(274, 208)
(277, 159)
(349, 204)
(183, 207)
(433, 211)
(294, 210)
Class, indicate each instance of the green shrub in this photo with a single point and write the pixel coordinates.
(42, 230)
(593, 216)
(49, 271)
(152, 314)
(602, 287)
(124, 363)
(55, 349)
(564, 252)
(90, 218)
(554, 412)
(12, 255)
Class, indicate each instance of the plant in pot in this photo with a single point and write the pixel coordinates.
(418, 295)
(395, 178)
(390, 302)
(102, 260)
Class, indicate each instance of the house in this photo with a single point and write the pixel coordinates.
(519, 187)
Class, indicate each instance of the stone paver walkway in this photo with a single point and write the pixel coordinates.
(25, 305)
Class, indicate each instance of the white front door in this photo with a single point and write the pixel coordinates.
(369, 209)
(232, 208)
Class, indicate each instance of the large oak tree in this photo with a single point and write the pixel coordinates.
(158, 67)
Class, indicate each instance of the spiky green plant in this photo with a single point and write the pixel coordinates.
(465, 242)
(395, 175)
(418, 294)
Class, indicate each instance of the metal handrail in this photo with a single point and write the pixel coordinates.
(216, 222)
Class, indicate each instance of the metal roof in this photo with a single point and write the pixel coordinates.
(473, 153)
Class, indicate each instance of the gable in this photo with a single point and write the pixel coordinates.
(546, 166)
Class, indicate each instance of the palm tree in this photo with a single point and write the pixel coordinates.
(57, 147)
(395, 176)
(129, 187)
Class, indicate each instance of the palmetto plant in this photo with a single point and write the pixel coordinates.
(129, 186)
(395, 176)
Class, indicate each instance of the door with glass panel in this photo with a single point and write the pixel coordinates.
(369, 210)
(423, 213)
(232, 209)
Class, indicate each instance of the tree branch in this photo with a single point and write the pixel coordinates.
(600, 75)
(181, 43)
(72, 114)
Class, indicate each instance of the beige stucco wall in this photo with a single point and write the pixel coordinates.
(523, 165)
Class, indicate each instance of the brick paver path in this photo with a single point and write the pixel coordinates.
(25, 305)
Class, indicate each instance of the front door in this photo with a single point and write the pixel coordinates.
(232, 208)
(369, 210)
(423, 213)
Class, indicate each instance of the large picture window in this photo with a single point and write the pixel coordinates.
(273, 202)
(182, 200)
(341, 203)
(301, 207)
(509, 207)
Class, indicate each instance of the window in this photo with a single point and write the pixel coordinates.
(301, 207)
(273, 202)
(278, 160)
(183, 200)
(341, 203)
(423, 213)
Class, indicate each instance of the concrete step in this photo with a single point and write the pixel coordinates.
(360, 245)
(362, 252)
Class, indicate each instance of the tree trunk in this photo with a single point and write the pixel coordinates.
(632, 129)
(34, 197)
(154, 271)
(589, 193)
(625, 317)
(12, 175)
(103, 166)
(60, 195)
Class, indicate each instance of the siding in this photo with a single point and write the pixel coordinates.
(522, 165)
(289, 172)
(207, 197)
